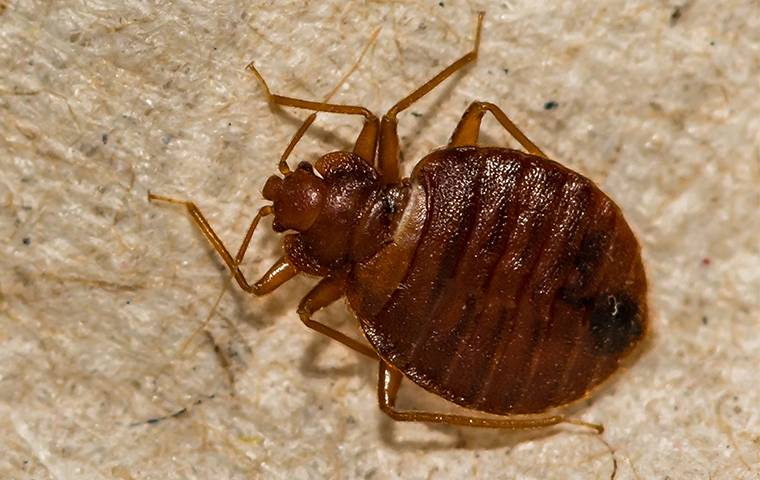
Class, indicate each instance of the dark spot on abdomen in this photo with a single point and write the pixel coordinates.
(590, 253)
(586, 260)
(615, 322)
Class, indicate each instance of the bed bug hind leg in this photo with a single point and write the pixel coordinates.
(326, 292)
(279, 273)
(389, 159)
(468, 129)
(389, 382)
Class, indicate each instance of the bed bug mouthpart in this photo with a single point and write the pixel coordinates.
(498, 279)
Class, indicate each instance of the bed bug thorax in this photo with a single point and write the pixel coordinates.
(339, 208)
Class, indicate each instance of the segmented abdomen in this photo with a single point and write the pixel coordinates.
(522, 290)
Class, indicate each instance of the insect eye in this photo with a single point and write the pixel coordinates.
(306, 166)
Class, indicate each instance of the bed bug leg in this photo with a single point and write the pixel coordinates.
(282, 166)
(279, 273)
(389, 381)
(368, 156)
(389, 149)
(365, 145)
(327, 291)
(468, 129)
(366, 142)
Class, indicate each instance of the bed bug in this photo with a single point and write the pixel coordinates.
(497, 279)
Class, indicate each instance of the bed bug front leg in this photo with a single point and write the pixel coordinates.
(389, 382)
(279, 273)
(365, 143)
(367, 155)
(327, 291)
(468, 129)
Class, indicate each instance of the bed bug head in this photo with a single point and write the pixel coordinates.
(297, 199)
(338, 208)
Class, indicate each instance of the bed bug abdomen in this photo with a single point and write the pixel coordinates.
(522, 289)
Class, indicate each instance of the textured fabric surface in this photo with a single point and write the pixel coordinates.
(101, 375)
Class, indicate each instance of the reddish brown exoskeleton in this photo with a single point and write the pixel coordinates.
(499, 280)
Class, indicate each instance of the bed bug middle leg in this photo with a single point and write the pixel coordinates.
(389, 382)
(468, 129)
(388, 148)
(327, 291)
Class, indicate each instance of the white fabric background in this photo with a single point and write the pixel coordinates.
(99, 290)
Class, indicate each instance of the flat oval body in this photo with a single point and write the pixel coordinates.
(512, 284)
